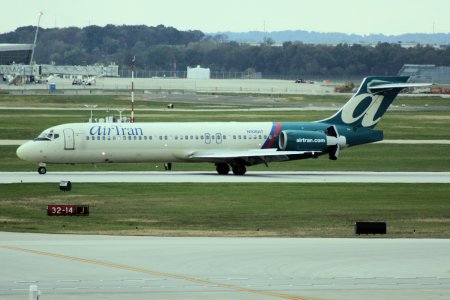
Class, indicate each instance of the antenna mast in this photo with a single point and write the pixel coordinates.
(133, 69)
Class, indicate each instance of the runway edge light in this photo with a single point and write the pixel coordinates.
(65, 186)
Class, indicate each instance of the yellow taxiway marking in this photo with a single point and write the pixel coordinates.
(156, 273)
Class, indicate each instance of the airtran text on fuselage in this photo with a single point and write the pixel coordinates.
(115, 130)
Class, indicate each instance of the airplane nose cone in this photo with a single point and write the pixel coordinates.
(22, 152)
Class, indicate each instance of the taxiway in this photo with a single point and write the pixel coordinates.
(211, 177)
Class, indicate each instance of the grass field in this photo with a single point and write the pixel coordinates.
(313, 210)
(417, 210)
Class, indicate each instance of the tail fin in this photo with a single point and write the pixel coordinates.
(371, 101)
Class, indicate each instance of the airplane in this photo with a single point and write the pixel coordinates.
(235, 145)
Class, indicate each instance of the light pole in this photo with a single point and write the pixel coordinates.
(35, 37)
(91, 106)
(120, 114)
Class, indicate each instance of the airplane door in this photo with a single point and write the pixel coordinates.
(218, 138)
(69, 139)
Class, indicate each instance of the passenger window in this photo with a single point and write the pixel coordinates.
(145, 137)
(192, 137)
(98, 138)
(165, 137)
(196, 137)
(160, 137)
(201, 137)
(234, 137)
(176, 137)
(224, 137)
(260, 137)
(186, 137)
(87, 138)
(245, 137)
(129, 137)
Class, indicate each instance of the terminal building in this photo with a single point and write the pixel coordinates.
(15, 67)
(15, 53)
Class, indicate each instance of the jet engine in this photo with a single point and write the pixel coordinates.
(305, 140)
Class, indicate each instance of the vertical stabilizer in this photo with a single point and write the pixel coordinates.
(370, 102)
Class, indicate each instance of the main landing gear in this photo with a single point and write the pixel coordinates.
(224, 169)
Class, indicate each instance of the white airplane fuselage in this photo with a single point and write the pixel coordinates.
(144, 142)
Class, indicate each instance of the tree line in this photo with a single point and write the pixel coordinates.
(166, 48)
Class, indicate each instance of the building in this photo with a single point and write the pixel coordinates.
(15, 67)
(198, 73)
(426, 73)
(15, 54)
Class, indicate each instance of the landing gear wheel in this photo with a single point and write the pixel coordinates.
(239, 169)
(42, 170)
(222, 168)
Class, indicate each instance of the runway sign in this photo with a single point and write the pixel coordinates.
(67, 210)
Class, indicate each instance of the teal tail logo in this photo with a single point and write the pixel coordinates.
(370, 102)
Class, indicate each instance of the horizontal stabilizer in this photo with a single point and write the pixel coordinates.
(400, 85)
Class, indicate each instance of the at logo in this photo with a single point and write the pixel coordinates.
(362, 106)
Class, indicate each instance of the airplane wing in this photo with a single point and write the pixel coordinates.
(252, 157)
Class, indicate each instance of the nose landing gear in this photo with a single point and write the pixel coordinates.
(42, 169)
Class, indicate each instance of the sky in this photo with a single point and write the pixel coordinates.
(389, 17)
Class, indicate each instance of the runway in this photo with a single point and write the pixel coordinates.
(113, 267)
(212, 177)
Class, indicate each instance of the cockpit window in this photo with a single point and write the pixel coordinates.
(47, 136)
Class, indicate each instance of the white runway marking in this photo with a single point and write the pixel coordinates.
(211, 177)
